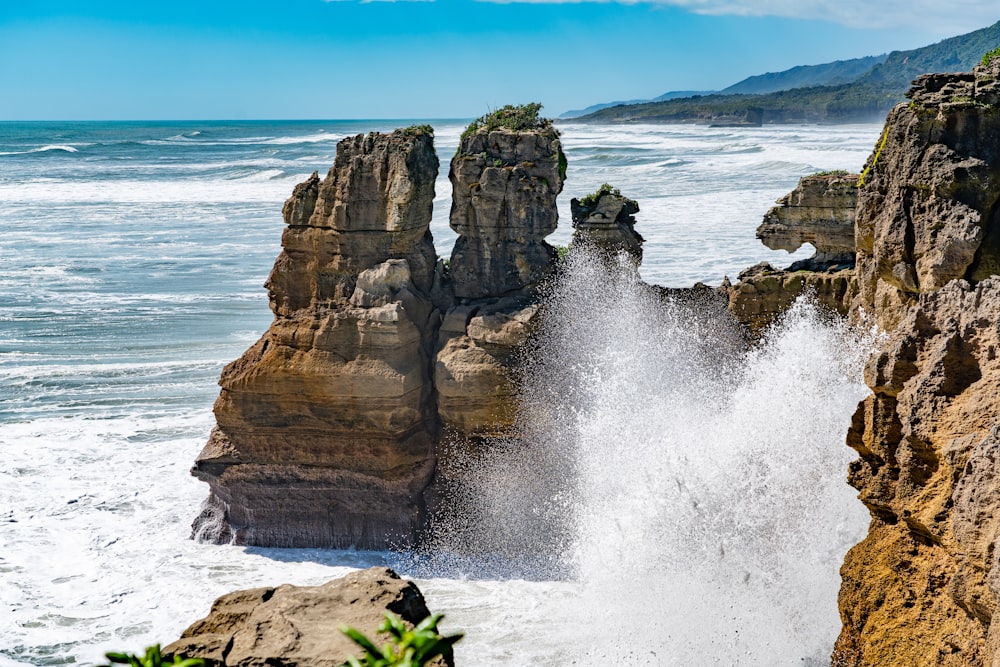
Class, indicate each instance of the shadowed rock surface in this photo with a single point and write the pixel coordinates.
(922, 588)
(607, 224)
(819, 211)
(299, 626)
(326, 426)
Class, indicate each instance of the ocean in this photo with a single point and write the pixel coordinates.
(133, 258)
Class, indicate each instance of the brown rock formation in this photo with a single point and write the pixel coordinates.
(605, 221)
(922, 588)
(292, 625)
(819, 211)
(505, 185)
(764, 292)
(928, 212)
(326, 426)
(504, 205)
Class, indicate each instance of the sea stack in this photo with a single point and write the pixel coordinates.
(604, 221)
(506, 175)
(923, 587)
(326, 426)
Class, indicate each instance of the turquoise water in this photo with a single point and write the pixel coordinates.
(133, 258)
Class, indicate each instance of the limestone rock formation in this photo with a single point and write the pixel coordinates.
(505, 184)
(326, 427)
(922, 588)
(819, 211)
(764, 292)
(292, 625)
(605, 221)
(928, 212)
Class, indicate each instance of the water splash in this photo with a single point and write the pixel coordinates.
(694, 490)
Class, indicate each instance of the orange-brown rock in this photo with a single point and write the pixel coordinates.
(326, 426)
(300, 625)
(922, 588)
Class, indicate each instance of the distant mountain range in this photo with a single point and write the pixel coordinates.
(857, 90)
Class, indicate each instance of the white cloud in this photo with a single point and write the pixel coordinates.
(946, 18)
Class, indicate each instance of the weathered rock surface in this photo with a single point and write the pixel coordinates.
(477, 354)
(928, 211)
(607, 225)
(764, 292)
(819, 211)
(922, 588)
(326, 427)
(299, 626)
(504, 185)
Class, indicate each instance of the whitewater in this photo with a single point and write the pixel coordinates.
(678, 503)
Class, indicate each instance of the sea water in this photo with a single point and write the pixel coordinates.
(699, 494)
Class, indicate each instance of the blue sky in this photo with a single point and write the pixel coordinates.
(267, 59)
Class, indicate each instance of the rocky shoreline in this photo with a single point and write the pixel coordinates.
(328, 426)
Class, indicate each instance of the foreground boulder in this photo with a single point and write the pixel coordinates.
(299, 626)
(326, 427)
(922, 588)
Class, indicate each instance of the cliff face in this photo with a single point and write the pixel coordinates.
(328, 418)
(922, 588)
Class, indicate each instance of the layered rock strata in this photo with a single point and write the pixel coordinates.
(928, 212)
(326, 426)
(505, 185)
(820, 212)
(293, 625)
(922, 588)
(606, 222)
(763, 293)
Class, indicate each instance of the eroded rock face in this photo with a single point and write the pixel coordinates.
(293, 625)
(326, 426)
(819, 211)
(505, 185)
(607, 225)
(922, 588)
(763, 293)
(928, 211)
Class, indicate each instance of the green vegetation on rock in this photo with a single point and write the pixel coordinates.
(990, 55)
(591, 200)
(406, 648)
(518, 118)
(415, 130)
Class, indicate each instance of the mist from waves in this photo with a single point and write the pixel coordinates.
(691, 491)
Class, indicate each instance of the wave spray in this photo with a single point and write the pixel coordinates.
(690, 487)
